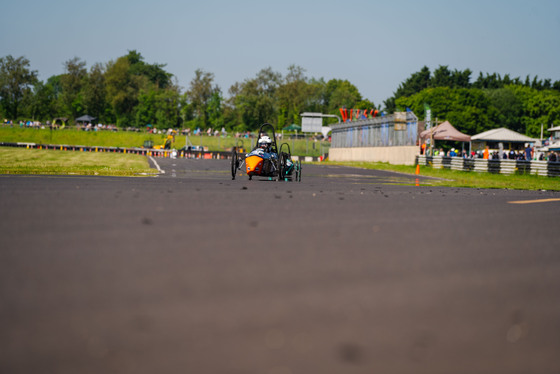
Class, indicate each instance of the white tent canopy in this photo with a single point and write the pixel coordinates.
(502, 135)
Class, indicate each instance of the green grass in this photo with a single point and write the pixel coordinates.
(452, 178)
(122, 139)
(125, 139)
(34, 161)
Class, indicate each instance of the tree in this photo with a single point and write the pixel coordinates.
(317, 99)
(493, 81)
(43, 102)
(442, 77)
(167, 106)
(469, 110)
(145, 111)
(341, 93)
(509, 108)
(461, 79)
(254, 101)
(199, 95)
(292, 96)
(540, 107)
(94, 92)
(72, 82)
(123, 90)
(417, 82)
(158, 107)
(214, 110)
(154, 72)
(16, 80)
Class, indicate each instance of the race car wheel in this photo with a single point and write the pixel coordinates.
(234, 163)
(281, 166)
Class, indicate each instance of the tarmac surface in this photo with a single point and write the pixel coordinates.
(349, 271)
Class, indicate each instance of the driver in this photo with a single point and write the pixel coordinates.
(264, 150)
(264, 143)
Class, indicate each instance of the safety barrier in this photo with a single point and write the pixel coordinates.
(165, 153)
(543, 168)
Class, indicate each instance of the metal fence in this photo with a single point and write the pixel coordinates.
(398, 129)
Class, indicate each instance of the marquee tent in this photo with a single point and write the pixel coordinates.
(501, 138)
(445, 131)
(292, 127)
(502, 135)
(85, 118)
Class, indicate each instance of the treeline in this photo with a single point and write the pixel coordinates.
(130, 92)
(491, 101)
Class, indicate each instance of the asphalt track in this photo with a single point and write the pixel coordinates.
(349, 271)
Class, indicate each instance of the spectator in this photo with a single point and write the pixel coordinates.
(528, 152)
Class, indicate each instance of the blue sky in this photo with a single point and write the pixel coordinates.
(374, 44)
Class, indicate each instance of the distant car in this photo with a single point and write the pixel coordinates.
(191, 148)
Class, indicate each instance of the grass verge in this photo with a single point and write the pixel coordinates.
(34, 161)
(124, 139)
(452, 178)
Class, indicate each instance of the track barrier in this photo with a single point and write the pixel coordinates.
(206, 155)
(500, 166)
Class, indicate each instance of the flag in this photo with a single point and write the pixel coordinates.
(428, 115)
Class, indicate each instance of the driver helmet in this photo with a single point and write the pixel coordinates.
(264, 142)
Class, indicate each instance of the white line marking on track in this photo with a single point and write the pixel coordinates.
(157, 165)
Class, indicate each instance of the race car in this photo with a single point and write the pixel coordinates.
(265, 160)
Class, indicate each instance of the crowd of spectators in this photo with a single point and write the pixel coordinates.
(522, 154)
(84, 126)
(99, 127)
(26, 124)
